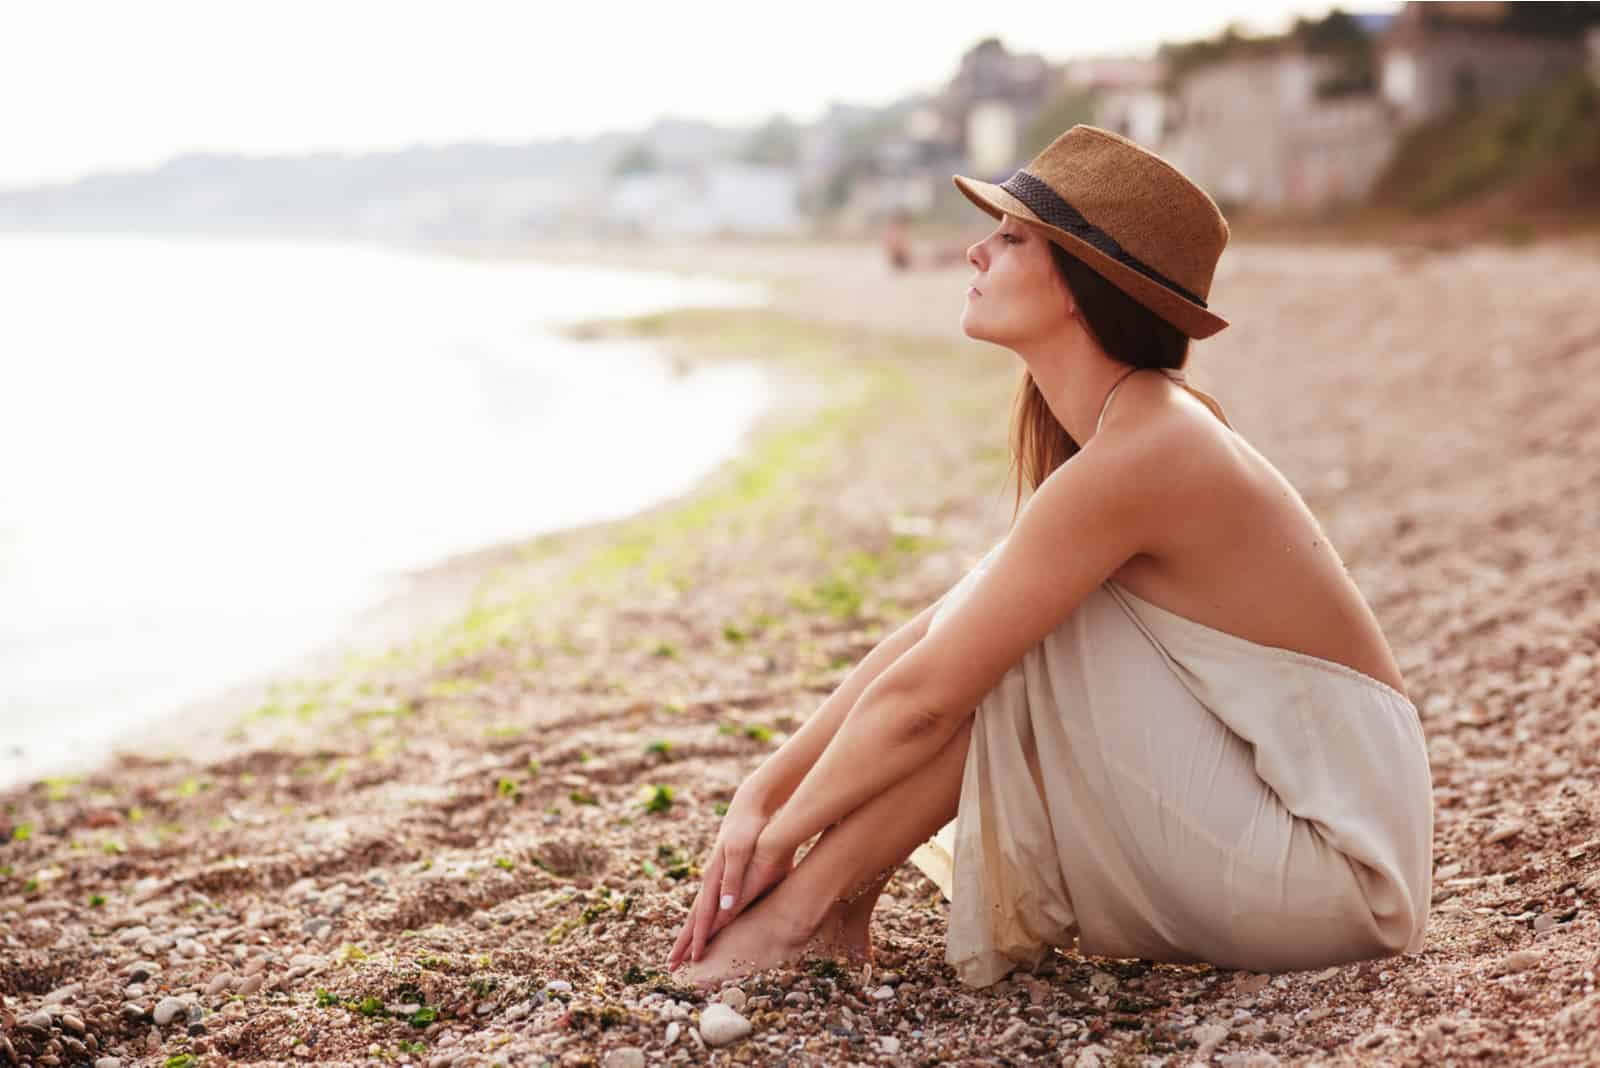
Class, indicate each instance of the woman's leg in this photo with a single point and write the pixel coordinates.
(850, 860)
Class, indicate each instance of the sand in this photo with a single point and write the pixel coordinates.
(461, 854)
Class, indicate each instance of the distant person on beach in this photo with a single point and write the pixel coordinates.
(896, 242)
(900, 252)
(1157, 718)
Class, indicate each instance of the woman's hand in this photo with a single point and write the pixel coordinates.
(737, 874)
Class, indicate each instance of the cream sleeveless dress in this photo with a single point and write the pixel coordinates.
(1153, 787)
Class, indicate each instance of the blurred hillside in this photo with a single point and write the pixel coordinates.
(1439, 115)
(1538, 153)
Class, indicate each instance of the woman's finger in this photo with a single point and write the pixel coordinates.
(686, 936)
(733, 871)
(706, 905)
(683, 940)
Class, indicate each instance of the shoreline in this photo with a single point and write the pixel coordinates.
(419, 602)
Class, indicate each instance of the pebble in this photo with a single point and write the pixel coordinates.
(39, 1021)
(1253, 1059)
(1011, 1032)
(558, 984)
(883, 993)
(132, 1011)
(624, 1057)
(888, 1043)
(219, 982)
(141, 970)
(672, 1032)
(1094, 1056)
(720, 1025)
(1521, 960)
(72, 1023)
(168, 1009)
(62, 993)
(1207, 1037)
(108, 1062)
(1102, 982)
(250, 984)
(734, 998)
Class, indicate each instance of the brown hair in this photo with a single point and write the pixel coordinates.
(1127, 330)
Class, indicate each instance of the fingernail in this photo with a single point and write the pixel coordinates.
(727, 901)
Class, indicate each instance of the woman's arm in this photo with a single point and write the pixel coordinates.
(770, 785)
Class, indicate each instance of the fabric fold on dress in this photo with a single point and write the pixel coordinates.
(1154, 787)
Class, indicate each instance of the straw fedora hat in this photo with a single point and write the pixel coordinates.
(1126, 213)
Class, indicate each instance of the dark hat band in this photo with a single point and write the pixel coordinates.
(1049, 205)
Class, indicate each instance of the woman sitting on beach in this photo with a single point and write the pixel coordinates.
(1159, 712)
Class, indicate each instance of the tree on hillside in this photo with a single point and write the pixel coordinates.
(776, 142)
(638, 159)
(1062, 112)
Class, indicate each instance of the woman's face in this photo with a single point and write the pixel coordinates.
(1017, 295)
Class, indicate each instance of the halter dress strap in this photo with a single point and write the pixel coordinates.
(1178, 377)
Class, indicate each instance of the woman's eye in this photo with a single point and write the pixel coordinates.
(1009, 237)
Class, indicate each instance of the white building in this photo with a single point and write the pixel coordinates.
(724, 196)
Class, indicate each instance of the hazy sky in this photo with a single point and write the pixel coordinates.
(119, 85)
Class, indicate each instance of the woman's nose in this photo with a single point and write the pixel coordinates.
(972, 254)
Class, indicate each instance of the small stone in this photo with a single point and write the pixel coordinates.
(1521, 960)
(62, 993)
(558, 984)
(624, 1057)
(168, 1009)
(250, 984)
(1095, 1056)
(132, 1011)
(672, 1032)
(796, 999)
(883, 993)
(1252, 1059)
(720, 1025)
(888, 1043)
(1102, 982)
(141, 970)
(1207, 1037)
(1504, 830)
(108, 1062)
(39, 1021)
(1543, 922)
(1011, 1032)
(72, 1023)
(219, 982)
(1252, 984)
(734, 998)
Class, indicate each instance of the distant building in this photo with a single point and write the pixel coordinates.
(1129, 97)
(719, 197)
(1438, 58)
(1253, 131)
(992, 99)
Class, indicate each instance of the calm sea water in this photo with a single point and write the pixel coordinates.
(215, 452)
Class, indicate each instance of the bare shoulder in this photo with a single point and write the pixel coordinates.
(1167, 452)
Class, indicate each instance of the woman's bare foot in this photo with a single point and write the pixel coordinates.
(761, 937)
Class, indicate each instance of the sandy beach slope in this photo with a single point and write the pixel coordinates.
(477, 847)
